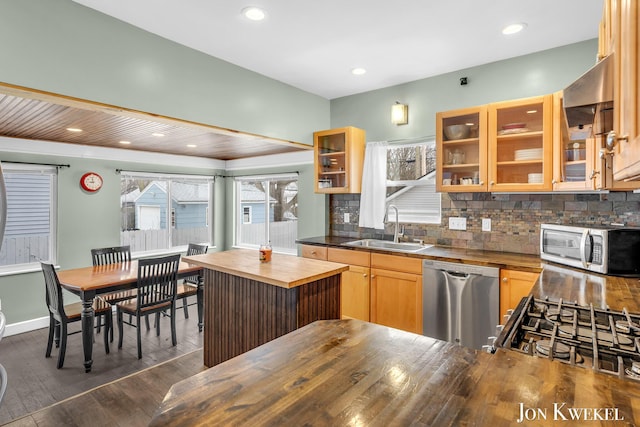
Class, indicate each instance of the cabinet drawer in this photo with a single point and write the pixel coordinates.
(315, 252)
(396, 263)
(347, 256)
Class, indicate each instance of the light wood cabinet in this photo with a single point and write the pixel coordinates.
(355, 282)
(461, 164)
(396, 296)
(339, 157)
(625, 23)
(520, 144)
(315, 252)
(578, 164)
(514, 285)
(507, 146)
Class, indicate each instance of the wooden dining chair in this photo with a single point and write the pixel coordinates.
(156, 293)
(113, 255)
(189, 286)
(60, 315)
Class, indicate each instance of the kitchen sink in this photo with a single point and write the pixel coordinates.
(388, 246)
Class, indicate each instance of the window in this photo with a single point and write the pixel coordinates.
(160, 212)
(267, 211)
(30, 232)
(246, 214)
(411, 185)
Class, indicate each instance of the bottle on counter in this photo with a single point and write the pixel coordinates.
(265, 252)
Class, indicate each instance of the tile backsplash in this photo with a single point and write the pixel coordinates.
(515, 218)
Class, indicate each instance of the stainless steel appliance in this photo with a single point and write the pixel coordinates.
(595, 338)
(460, 302)
(601, 249)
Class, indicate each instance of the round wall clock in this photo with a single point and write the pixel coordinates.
(91, 182)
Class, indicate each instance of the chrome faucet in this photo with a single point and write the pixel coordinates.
(395, 231)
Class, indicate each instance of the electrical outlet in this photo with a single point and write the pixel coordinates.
(486, 224)
(457, 223)
(346, 217)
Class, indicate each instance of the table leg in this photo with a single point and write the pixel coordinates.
(87, 318)
(200, 298)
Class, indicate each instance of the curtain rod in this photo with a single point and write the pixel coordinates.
(257, 174)
(57, 165)
(163, 173)
(411, 140)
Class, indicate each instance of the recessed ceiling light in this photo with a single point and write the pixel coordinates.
(358, 71)
(158, 134)
(125, 142)
(191, 145)
(254, 13)
(74, 130)
(514, 28)
(532, 111)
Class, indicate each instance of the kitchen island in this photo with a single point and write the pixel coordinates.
(249, 302)
(349, 372)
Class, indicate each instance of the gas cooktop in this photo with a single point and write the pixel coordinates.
(600, 339)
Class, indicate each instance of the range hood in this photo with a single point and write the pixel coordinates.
(589, 93)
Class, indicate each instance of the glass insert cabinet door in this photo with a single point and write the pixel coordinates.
(461, 150)
(339, 156)
(520, 144)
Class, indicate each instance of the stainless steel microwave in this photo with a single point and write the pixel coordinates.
(601, 249)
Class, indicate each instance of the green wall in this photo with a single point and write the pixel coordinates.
(530, 75)
(62, 47)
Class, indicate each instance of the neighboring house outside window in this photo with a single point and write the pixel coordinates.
(411, 183)
(164, 211)
(266, 211)
(30, 233)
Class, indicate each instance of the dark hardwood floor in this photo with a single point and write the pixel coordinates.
(35, 383)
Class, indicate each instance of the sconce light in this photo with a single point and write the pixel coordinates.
(399, 114)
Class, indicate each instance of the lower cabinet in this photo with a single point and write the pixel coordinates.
(514, 285)
(396, 292)
(354, 287)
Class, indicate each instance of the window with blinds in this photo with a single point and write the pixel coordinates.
(30, 232)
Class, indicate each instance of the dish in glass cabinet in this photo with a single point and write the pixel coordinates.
(512, 131)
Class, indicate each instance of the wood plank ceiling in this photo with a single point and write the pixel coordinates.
(39, 116)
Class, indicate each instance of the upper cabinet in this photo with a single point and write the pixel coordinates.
(580, 159)
(504, 146)
(520, 144)
(623, 19)
(461, 147)
(339, 157)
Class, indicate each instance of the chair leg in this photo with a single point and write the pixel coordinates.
(158, 324)
(63, 344)
(139, 336)
(56, 334)
(120, 328)
(52, 327)
(108, 327)
(174, 340)
(185, 307)
(146, 320)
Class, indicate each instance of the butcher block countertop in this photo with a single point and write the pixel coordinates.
(286, 271)
(348, 372)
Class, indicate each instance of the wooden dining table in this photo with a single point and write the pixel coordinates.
(88, 282)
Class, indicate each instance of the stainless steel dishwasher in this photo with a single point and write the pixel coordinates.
(460, 302)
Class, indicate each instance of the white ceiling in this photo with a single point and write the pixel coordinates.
(313, 45)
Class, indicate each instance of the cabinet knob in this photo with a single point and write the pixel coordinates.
(481, 182)
(612, 138)
(373, 276)
(491, 183)
(364, 275)
(505, 280)
(554, 182)
(313, 252)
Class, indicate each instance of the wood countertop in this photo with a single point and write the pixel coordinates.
(348, 372)
(286, 271)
